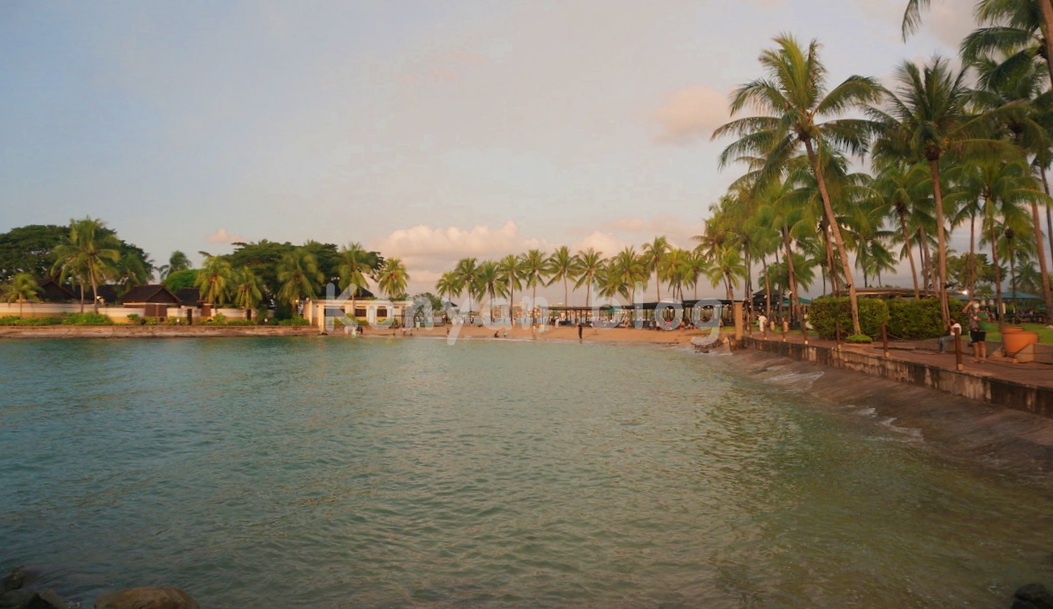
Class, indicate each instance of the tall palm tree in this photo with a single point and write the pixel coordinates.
(1023, 23)
(392, 278)
(88, 255)
(355, 264)
(653, 254)
(248, 290)
(534, 271)
(796, 101)
(466, 273)
(447, 286)
(927, 117)
(176, 262)
(510, 270)
(298, 276)
(490, 283)
(214, 279)
(22, 288)
(560, 267)
(587, 267)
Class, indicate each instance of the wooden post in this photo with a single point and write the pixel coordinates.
(837, 334)
(736, 312)
(884, 337)
(958, 352)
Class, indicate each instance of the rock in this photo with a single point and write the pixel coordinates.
(1032, 596)
(16, 578)
(146, 598)
(27, 599)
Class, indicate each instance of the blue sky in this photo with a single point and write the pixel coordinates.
(426, 130)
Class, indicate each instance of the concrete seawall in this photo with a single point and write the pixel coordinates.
(999, 392)
(128, 331)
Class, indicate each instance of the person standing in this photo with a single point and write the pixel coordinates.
(580, 327)
(762, 323)
(977, 335)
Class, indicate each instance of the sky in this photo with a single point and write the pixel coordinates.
(429, 131)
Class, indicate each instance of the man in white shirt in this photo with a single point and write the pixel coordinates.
(955, 329)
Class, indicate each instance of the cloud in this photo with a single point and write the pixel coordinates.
(222, 236)
(640, 230)
(691, 114)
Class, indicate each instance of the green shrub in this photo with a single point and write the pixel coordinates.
(915, 319)
(859, 339)
(827, 312)
(241, 322)
(294, 321)
(87, 319)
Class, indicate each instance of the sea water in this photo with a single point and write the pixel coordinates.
(334, 472)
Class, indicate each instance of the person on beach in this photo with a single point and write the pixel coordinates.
(762, 323)
(953, 330)
(580, 330)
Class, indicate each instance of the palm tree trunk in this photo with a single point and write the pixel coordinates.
(1040, 249)
(828, 209)
(910, 251)
(999, 305)
(941, 241)
(972, 254)
(1046, 9)
(795, 302)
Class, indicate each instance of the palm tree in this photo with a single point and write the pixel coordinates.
(490, 283)
(355, 263)
(653, 254)
(534, 271)
(1023, 23)
(176, 262)
(88, 255)
(560, 266)
(248, 292)
(510, 271)
(625, 271)
(214, 279)
(587, 267)
(21, 288)
(466, 273)
(447, 286)
(928, 117)
(796, 100)
(392, 278)
(298, 276)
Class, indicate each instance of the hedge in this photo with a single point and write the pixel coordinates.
(826, 312)
(914, 319)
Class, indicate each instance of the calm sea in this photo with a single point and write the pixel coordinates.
(334, 472)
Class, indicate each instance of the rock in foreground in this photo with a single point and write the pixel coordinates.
(146, 598)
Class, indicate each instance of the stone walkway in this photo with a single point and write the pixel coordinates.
(926, 352)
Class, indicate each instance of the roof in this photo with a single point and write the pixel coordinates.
(190, 297)
(151, 293)
(53, 291)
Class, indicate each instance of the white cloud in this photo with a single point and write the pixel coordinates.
(222, 236)
(691, 114)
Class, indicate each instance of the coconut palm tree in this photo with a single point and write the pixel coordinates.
(510, 270)
(298, 276)
(248, 290)
(926, 118)
(176, 262)
(490, 283)
(447, 286)
(1018, 25)
(88, 255)
(560, 267)
(466, 274)
(214, 280)
(795, 101)
(22, 288)
(653, 254)
(355, 264)
(535, 270)
(587, 267)
(392, 278)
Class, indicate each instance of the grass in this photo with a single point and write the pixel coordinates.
(1045, 335)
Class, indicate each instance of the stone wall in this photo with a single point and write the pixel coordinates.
(1010, 394)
